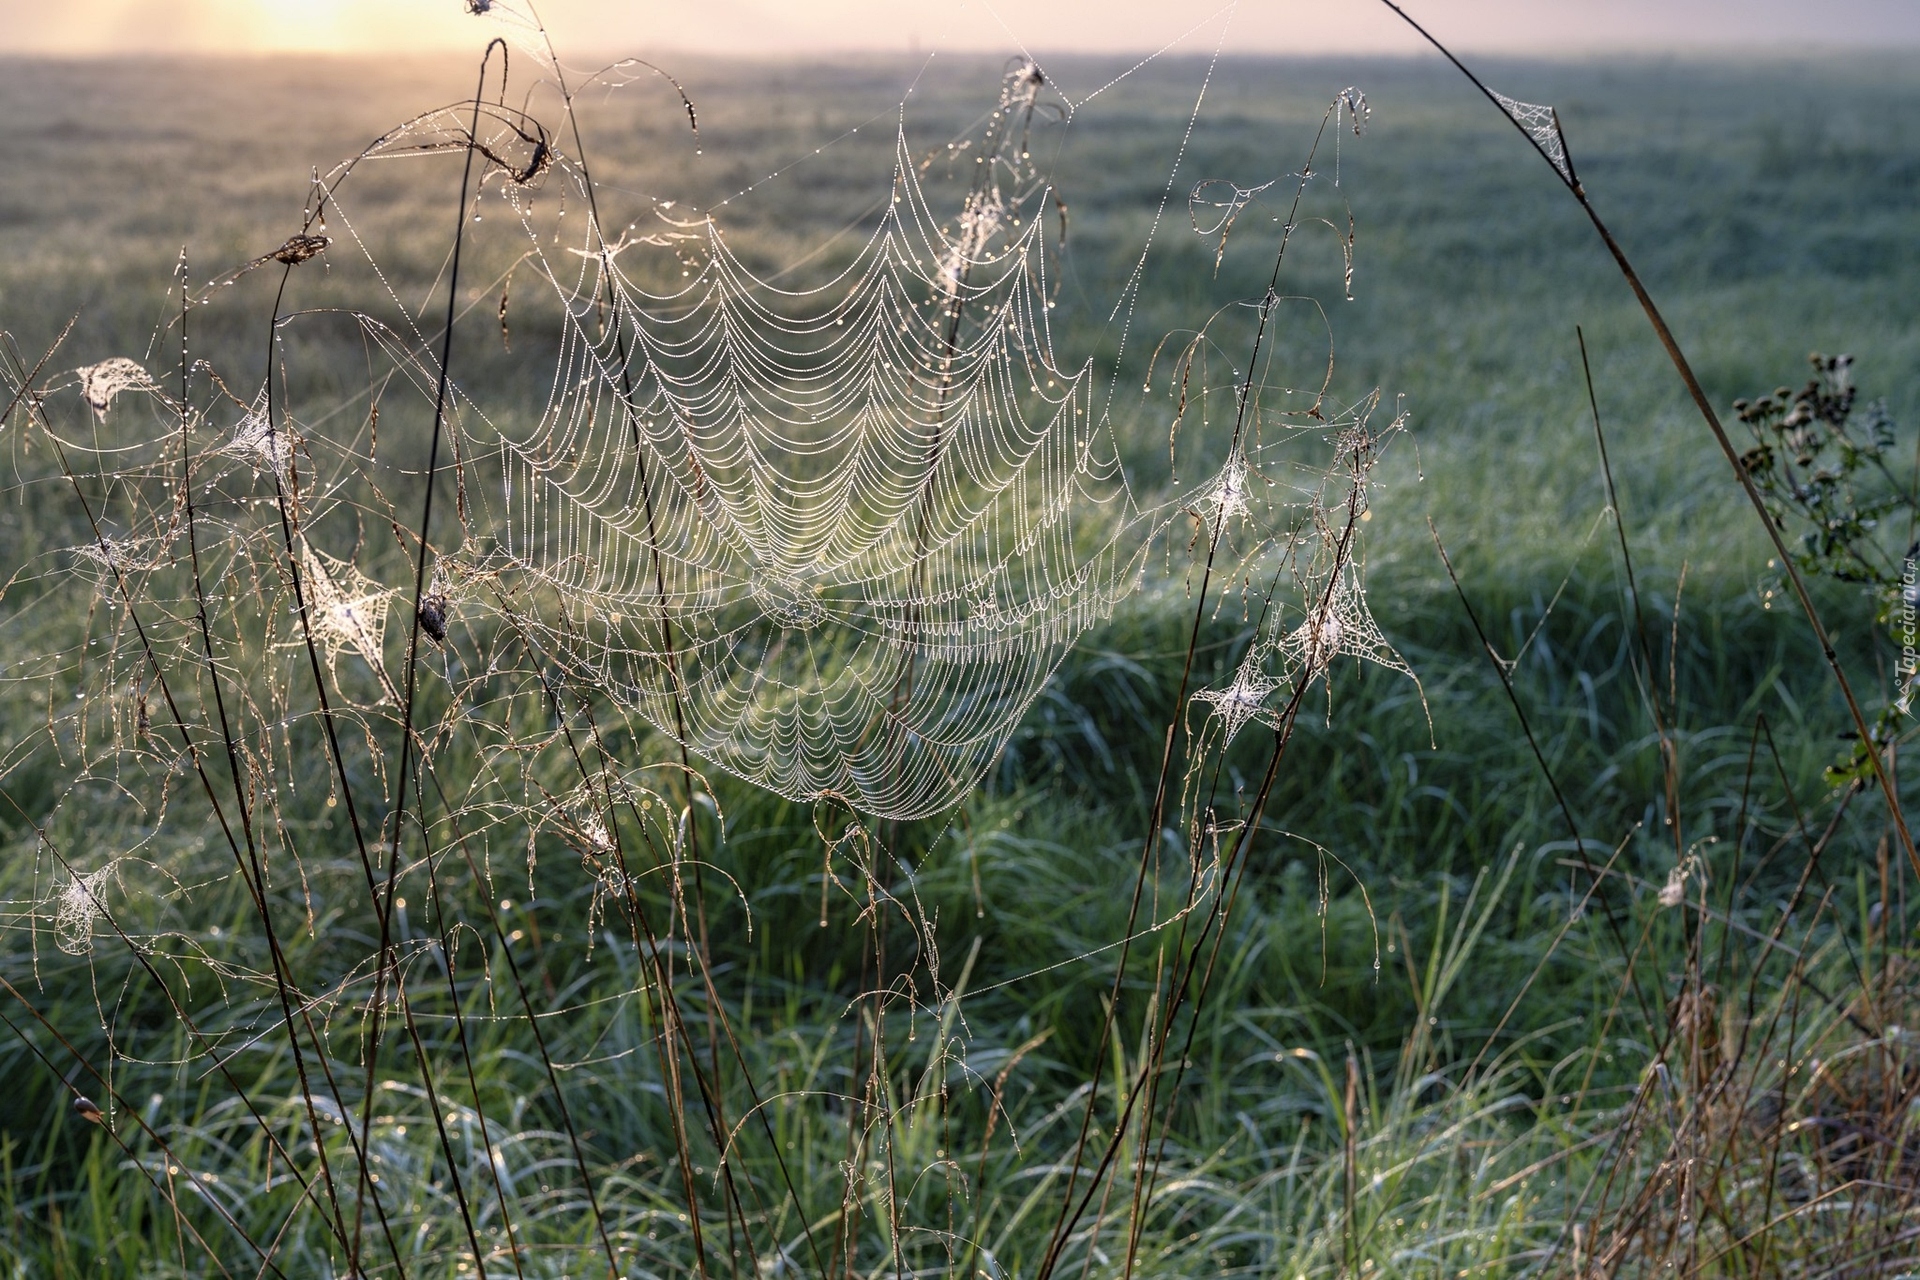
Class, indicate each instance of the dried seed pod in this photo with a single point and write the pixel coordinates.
(433, 616)
(86, 1109)
(100, 383)
(300, 248)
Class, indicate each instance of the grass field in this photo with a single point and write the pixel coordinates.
(1423, 1049)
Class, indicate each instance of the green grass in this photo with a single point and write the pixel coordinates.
(1767, 209)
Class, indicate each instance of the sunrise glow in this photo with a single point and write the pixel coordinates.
(775, 27)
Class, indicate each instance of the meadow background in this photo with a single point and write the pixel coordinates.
(1770, 205)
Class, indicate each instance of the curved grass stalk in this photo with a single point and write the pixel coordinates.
(1563, 168)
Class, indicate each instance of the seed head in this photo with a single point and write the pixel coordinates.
(433, 617)
(301, 247)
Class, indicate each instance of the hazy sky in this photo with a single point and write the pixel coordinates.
(772, 27)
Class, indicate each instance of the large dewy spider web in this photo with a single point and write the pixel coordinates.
(851, 529)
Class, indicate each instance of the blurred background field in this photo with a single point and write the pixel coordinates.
(1770, 206)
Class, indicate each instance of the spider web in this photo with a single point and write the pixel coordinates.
(1543, 126)
(834, 539)
(77, 909)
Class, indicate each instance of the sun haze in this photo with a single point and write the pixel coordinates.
(776, 27)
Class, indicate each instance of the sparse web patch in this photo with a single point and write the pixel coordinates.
(1339, 624)
(1243, 701)
(261, 444)
(1542, 124)
(347, 608)
(1227, 498)
(121, 555)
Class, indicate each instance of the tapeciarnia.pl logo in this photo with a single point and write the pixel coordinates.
(1909, 667)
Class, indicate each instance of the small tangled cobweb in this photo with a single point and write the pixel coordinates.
(120, 555)
(1243, 701)
(1542, 124)
(347, 608)
(1228, 497)
(1340, 625)
(587, 831)
(261, 444)
(77, 908)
